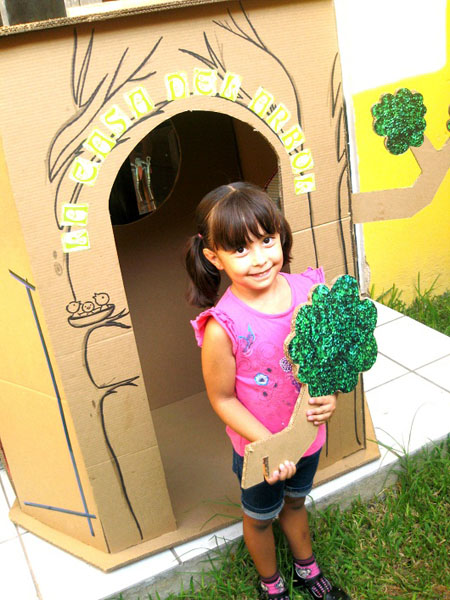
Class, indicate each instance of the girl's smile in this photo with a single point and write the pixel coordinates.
(261, 274)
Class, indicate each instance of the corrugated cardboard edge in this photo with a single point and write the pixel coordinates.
(104, 16)
(4, 465)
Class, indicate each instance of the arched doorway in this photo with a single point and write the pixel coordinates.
(199, 150)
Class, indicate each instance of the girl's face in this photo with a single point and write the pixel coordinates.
(253, 267)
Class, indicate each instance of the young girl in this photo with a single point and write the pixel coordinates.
(248, 380)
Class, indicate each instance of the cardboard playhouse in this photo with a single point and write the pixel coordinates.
(113, 127)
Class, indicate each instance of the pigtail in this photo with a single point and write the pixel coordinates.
(204, 278)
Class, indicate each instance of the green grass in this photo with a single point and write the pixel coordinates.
(395, 547)
(427, 307)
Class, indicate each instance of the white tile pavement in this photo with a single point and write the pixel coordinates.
(61, 575)
(386, 314)
(410, 343)
(384, 370)
(438, 372)
(16, 581)
(8, 530)
(410, 412)
(408, 392)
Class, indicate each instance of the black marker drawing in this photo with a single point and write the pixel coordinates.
(83, 314)
(214, 60)
(66, 145)
(343, 184)
(111, 388)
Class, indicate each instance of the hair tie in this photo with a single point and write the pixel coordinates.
(199, 235)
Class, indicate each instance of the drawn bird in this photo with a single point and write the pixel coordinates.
(73, 307)
(101, 299)
(88, 307)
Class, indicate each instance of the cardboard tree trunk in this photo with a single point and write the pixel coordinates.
(113, 448)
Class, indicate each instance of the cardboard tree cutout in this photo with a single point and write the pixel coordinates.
(331, 342)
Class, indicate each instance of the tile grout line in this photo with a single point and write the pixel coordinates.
(409, 368)
(367, 391)
(33, 577)
(388, 322)
(433, 361)
(409, 372)
(22, 545)
(433, 382)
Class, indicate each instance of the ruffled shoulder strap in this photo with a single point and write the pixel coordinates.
(314, 275)
(222, 318)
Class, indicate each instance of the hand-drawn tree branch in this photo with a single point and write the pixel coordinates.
(89, 101)
(66, 141)
(343, 183)
(214, 60)
(254, 38)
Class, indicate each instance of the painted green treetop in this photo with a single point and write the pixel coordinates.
(332, 339)
(399, 118)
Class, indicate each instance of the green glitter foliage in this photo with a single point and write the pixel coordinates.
(400, 119)
(333, 340)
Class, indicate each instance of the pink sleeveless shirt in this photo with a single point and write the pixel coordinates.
(265, 384)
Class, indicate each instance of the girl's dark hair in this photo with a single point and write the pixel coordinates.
(226, 219)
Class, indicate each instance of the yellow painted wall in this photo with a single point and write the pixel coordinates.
(397, 250)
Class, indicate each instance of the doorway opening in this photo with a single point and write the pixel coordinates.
(198, 151)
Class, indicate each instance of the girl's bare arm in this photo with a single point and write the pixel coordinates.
(219, 373)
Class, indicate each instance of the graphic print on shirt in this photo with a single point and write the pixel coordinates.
(247, 341)
(261, 378)
(287, 368)
(259, 362)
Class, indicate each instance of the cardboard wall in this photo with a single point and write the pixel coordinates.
(258, 159)
(119, 359)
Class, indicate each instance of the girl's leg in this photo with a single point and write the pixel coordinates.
(294, 523)
(259, 539)
(307, 574)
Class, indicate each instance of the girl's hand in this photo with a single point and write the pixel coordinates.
(323, 409)
(284, 471)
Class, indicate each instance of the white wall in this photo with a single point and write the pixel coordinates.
(384, 41)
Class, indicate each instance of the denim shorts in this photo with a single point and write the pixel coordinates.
(265, 501)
